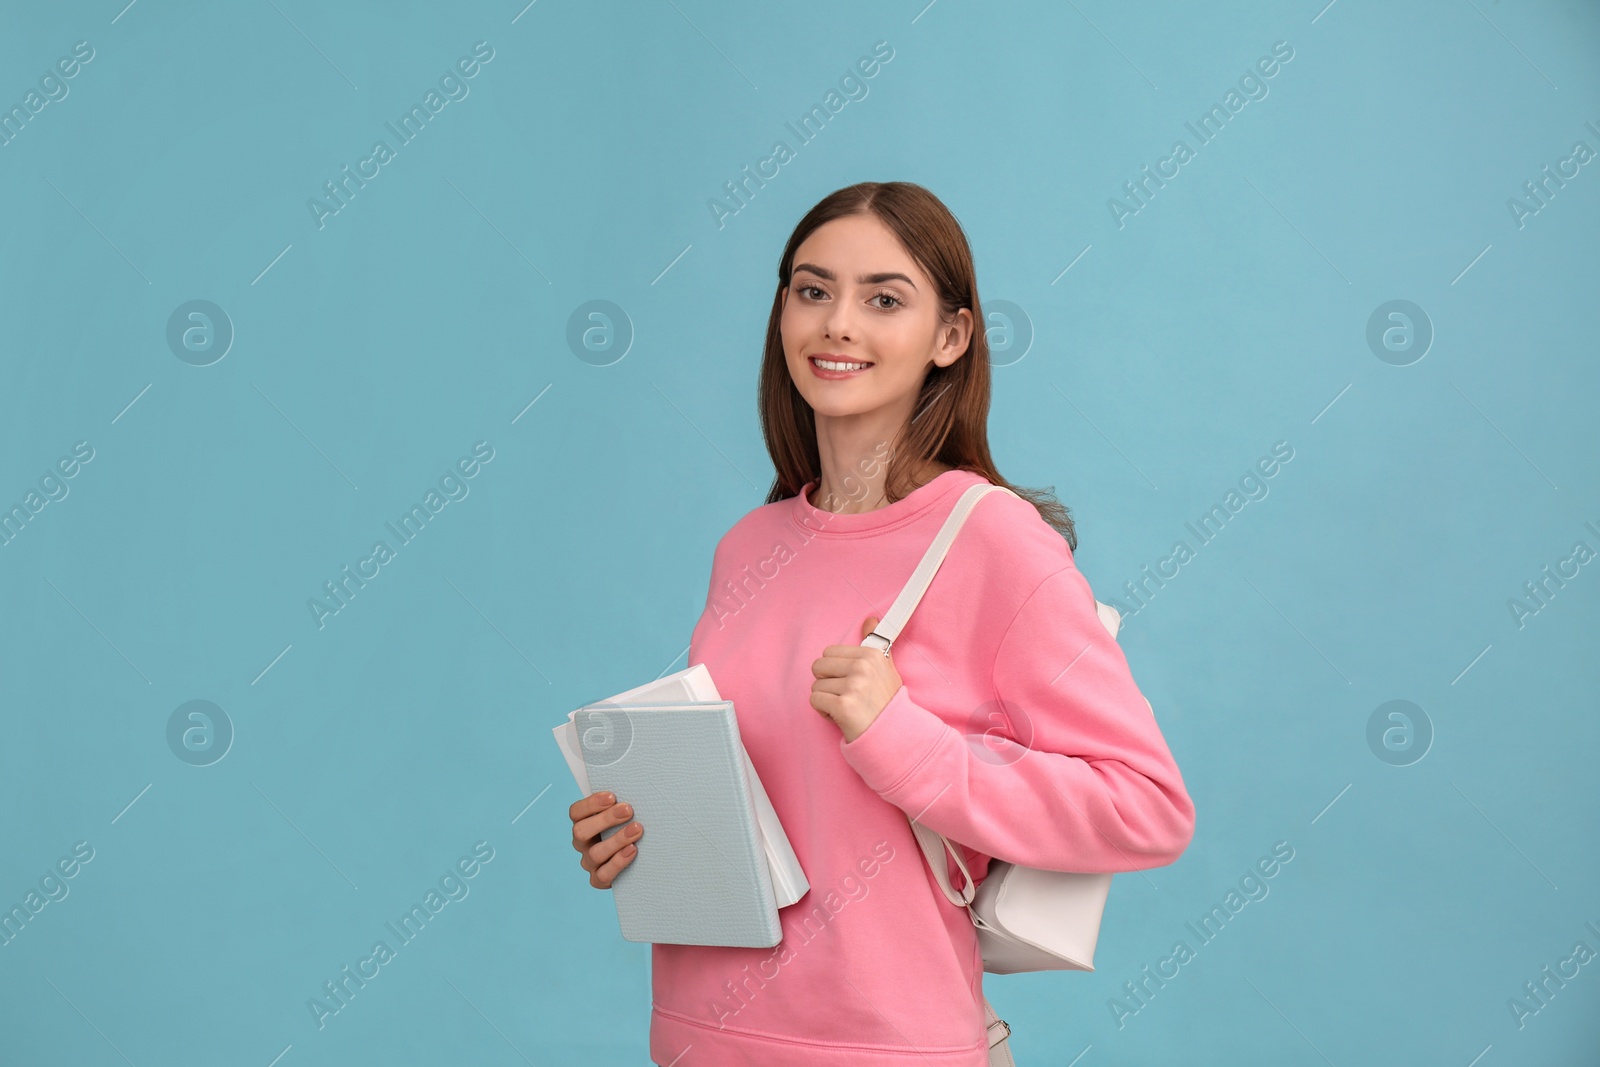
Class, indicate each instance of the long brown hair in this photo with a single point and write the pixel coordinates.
(951, 424)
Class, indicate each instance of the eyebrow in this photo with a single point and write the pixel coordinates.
(863, 279)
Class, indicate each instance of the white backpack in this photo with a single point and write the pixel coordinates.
(1027, 919)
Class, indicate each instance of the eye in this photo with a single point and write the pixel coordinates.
(803, 290)
(882, 294)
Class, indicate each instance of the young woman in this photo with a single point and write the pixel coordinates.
(1005, 716)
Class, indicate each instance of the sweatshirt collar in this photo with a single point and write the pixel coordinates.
(815, 520)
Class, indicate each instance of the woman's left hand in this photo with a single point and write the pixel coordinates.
(854, 683)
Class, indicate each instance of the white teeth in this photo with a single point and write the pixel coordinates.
(828, 364)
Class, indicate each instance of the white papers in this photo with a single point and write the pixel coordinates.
(693, 685)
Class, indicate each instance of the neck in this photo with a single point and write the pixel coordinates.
(864, 488)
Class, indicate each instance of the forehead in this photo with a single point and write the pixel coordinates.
(857, 244)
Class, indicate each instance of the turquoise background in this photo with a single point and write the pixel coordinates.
(1433, 874)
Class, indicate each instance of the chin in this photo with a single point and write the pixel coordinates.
(834, 409)
(836, 405)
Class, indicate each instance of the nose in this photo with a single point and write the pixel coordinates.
(837, 326)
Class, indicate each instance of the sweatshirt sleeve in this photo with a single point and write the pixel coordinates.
(1072, 774)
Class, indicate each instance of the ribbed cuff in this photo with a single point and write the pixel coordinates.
(902, 738)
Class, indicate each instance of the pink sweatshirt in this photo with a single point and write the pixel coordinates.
(876, 967)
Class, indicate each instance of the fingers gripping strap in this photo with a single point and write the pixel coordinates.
(890, 625)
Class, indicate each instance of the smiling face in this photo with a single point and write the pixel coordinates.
(856, 296)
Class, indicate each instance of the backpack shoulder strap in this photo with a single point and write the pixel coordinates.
(933, 845)
(890, 625)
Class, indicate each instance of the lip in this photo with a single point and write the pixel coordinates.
(835, 375)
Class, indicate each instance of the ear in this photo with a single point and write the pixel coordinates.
(954, 338)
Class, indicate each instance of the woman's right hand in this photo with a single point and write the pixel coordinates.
(603, 859)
